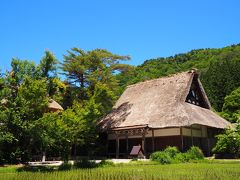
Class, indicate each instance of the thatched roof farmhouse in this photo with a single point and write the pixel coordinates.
(172, 110)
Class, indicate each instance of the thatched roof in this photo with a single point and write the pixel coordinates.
(161, 103)
(53, 105)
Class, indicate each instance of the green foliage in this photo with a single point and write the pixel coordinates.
(24, 98)
(48, 69)
(47, 66)
(171, 151)
(229, 142)
(61, 131)
(24, 104)
(231, 106)
(182, 157)
(161, 157)
(85, 163)
(172, 154)
(92, 84)
(222, 78)
(106, 163)
(32, 96)
(21, 69)
(86, 69)
(65, 166)
(195, 153)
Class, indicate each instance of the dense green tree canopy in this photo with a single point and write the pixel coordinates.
(85, 69)
(231, 106)
(229, 142)
(27, 127)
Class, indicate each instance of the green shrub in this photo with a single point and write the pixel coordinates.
(172, 155)
(106, 163)
(161, 157)
(182, 157)
(172, 151)
(195, 153)
(229, 142)
(65, 166)
(85, 163)
(134, 159)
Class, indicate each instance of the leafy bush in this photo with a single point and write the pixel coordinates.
(182, 157)
(162, 157)
(134, 159)
(65, 166)
(229, 142)
(85, 163)
(195, 153)
(172, 154)
(106, 163)
(172, 151)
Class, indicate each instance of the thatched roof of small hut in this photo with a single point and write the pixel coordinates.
(4, 101)
(53, 105)
(161, 103)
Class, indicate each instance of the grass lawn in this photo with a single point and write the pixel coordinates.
(136, 170)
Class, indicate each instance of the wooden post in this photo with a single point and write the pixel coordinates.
(181, 134)
(117, 147)
(201, 142)
(208, 142)
(153, 143)
(191, 135)
(127, 143)
(107, 146)
(143, 143)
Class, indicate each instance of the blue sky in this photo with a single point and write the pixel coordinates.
(143, 29)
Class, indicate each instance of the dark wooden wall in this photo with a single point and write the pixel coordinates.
(160, 143)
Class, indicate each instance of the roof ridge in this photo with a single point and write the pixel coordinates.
(163, 77)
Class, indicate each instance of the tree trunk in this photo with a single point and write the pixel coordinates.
(44, 156)
(75, 151)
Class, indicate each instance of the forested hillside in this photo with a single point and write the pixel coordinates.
(219, 69)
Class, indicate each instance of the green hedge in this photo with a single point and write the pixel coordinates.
(172, 154)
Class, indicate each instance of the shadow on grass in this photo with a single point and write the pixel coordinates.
(36, 169)
(80, 164)
(85, 164)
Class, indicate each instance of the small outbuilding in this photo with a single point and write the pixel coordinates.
(169, 111)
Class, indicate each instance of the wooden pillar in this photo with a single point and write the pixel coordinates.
(107, 146)
(201, 131)
(143, 143)
(117, 147)
(127, 143)
(191, 134)
(208, 145)
(208, 142)
(153, 142)
(201, 142)
(181, 135)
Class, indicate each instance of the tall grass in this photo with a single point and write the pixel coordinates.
(139, 171)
